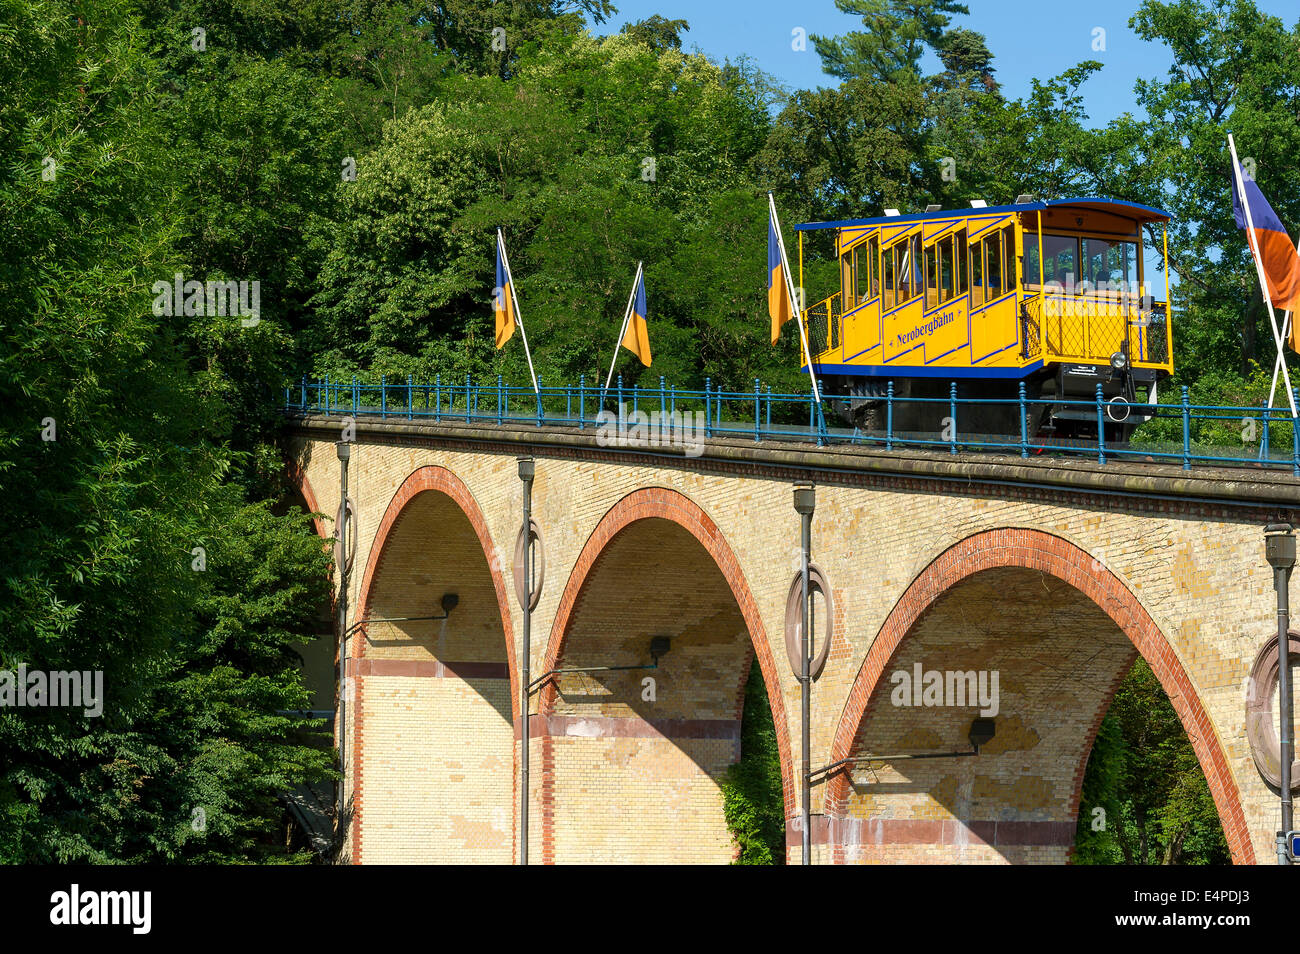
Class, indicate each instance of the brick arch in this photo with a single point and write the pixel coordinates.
(430, 477)
(663, 503)
(1034, 549)
(443, 481)
(298, 477)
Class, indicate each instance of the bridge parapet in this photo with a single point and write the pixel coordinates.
(1255, 487)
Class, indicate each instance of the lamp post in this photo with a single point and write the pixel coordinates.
(527, 469)
(344, 450)
(804, 503)
(1279, 550)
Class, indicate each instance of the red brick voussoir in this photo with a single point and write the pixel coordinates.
(298, 477)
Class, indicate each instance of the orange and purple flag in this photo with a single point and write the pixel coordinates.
(779, 305)
(1277, 256)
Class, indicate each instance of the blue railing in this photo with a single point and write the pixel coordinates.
(1179, 433)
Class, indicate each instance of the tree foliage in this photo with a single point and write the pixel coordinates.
(115, 467)
(752, 799)
(596, 154)
(896, 35)
(1144, 798)
(1235, 70)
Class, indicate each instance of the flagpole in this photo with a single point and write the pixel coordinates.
(618, 343)
(1259, 267)
(794, 300)
(1287, 319)
(1277, 365)
(501, 243)
(1272, 388)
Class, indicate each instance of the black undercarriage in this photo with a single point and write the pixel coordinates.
(923, 405)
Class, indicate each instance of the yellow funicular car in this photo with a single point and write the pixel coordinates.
(1051, 294)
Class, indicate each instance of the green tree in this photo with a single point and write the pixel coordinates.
(1230, 74)
(752, 798)
(658, 32)
(850, 151)
(890, 136)
(966, 58)
(896, 36)
(114, 472)
(1040, 145)
(1144, 775)
(1101, 798)
(594, 154)
(867, 142)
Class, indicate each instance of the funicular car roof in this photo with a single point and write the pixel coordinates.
(1131, 210)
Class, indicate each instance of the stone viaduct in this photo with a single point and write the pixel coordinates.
(1054, 574)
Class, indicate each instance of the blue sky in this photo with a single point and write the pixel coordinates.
(1029, 39)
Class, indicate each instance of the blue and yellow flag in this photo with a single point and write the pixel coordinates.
(637, 337)
(503, 306)
(778, 289)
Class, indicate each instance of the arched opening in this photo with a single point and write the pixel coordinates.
(633, 759)
(311, 809)
(1045, 635)
(319, 654)
(432, 747)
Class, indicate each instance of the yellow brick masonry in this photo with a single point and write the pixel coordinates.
(437, 773)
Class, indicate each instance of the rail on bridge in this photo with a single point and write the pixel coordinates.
(1177, 433)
